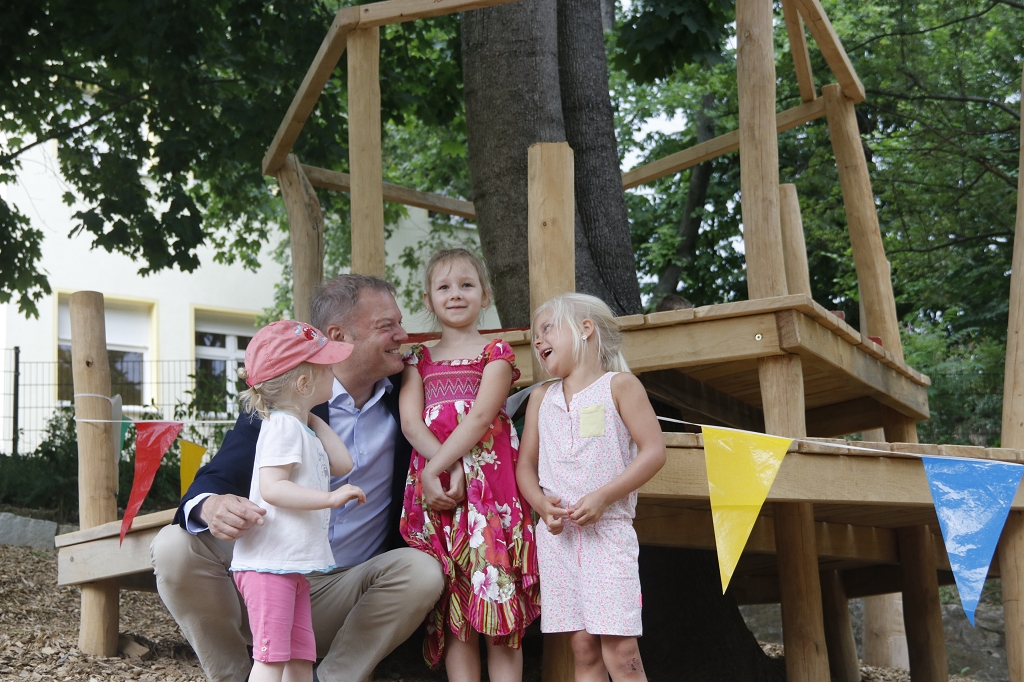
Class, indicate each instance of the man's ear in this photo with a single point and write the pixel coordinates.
(336, 333)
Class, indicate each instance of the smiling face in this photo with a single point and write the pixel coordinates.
(554, 345)
(456, 294)
(374, 328)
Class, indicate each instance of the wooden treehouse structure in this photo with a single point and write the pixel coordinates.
(839, 523)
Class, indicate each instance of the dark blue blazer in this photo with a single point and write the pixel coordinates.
(230, 470)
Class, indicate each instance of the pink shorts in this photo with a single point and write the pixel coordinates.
(279, 615)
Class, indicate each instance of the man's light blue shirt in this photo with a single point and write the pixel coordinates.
(359, 531)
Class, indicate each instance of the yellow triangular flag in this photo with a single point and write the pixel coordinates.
(191, 456)
(741, 467)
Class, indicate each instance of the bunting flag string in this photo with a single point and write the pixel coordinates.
(152, 440)
(191, 457)
(972, 500)
(741, 466)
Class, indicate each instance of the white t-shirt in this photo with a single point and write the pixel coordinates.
(290, 540)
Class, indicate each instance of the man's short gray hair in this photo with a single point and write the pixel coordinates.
(334, 299)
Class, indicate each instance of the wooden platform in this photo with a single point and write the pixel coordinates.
(703, 362)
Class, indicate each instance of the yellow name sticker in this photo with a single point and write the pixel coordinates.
(591, 421)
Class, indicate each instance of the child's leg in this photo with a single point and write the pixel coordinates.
(462, 659)
(298, 670)
(504, 664)
(622, 658)
(267, 672)
(586, 651)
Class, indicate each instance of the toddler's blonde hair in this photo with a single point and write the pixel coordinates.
(279, 392)
(570, 310)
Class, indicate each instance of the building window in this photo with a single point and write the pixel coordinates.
(220, 351)
(127, 375)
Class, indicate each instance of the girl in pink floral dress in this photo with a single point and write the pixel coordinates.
(461, 501)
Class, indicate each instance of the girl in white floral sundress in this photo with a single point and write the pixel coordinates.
(590, 441)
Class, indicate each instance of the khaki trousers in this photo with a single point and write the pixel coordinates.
(360, 614)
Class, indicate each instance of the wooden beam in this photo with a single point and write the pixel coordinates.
(551, 223)
(97, 483)
(399, 11)
(842, 649)
(686, 393)
(885, 639)
(799, 335)
(105, 559)
(364, 152)
(794, 248)
(922, 612)
(306, 228)
(310, 89)
(342, 182)
(112, 529)
(723, 144)
(840, 419)
(1011, 568)
(832, 49)
(798, 48)
(873, 274)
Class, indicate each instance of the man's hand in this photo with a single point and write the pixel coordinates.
(552, 514)
(456, 483)
(346, 494)
(589, 509)
(228, 516)
(433, 492)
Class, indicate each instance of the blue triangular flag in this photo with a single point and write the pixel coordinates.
(972, 500)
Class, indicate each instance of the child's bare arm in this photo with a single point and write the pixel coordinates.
(639, 418)
(278, 490)
(337, 453)
(527, 478)
(410, 407)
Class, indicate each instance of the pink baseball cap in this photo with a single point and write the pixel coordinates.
(284, 345)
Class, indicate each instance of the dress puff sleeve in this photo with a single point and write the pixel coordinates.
(499, 350)
(413, 355)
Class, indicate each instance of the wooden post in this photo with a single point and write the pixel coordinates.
(798, 48)
(794, 249)
(842, 649)
(552, 260)
(97, 485)
(306, 225)
(1011, 546)
(922, 614)
(364, 152)
(759, 149)
(884, 638)
(865, 236)
(551, 225)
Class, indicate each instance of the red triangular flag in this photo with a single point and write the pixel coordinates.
(152, 439)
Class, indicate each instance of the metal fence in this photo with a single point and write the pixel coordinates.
(159, 389)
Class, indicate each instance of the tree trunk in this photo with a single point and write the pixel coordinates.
(510, 71)
(691, 630)
(608, 15)
(696, 197)
(590, 131)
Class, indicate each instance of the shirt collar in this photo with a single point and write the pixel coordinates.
(341, 398)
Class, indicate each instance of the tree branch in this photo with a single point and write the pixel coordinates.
(958, 240)
(6, 159)
(948, 98)
(902, 34)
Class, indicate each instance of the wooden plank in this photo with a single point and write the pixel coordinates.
(798, 48)
(627, 322)
(723, 144)
(306, 229)
(399, 11)
(707, 343)
(680, 390)
(104, 559)
(312, 85)
(668, 317)
(832, 49)
(342, 182)
(839, 419)
(364, 152)
(551, 221)
(146, 521)
(800, 335)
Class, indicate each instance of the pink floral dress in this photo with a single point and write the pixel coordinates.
(486, 544)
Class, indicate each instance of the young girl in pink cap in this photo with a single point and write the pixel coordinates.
(590, 440)
(452, 407)
(287, 366)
